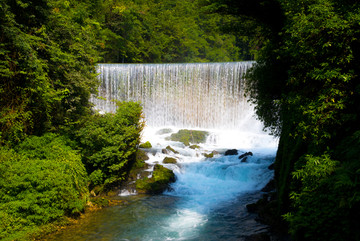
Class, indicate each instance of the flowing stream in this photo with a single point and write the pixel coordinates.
(208, 200)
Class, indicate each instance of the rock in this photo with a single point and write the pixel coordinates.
(246, 154)
(159, 182)
(272, 166)
(189, 136)
(169, 149)
(169, 160)
(145, 145)
(269, 187)
(256, 207)
(141, 155)
(194, 147)
(231, 152)
(244, 159)
(211, 154)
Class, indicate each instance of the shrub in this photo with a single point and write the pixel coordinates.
(109, 142)
(35, 190)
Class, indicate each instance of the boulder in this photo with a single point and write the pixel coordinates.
(169, 160)
(246, 154)
(169, 149)
(189, 136)
(231, 152)
(211, 154)
(145, 145)
(269, 187)
(244, 159)
(194, 147)
(159, 182)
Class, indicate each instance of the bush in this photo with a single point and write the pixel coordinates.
(35, 190)
(109, 142)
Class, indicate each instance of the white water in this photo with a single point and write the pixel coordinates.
(204, 185)
(208, 192)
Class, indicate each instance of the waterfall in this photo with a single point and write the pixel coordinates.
(208, 200)
(191, 95)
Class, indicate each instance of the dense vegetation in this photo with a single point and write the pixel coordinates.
(305, 84)
(53, 148)
(150, 31)
(307, 90)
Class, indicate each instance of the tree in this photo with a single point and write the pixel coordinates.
(47, 55)
(306, 86)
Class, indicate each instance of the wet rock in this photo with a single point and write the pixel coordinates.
(246, 154)
(269, 187)
(211, 154)
(159, 182)
(169, 149)
(194, 147)
(271, 167)
(141, 155)
(169, 160)
(231, 152)
(145, 145)
(244, 159)
(189, 136)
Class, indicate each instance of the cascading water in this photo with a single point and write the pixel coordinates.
(198, 95)
(207, 202)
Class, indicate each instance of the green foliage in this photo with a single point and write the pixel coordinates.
(306, 88)
(39, 187)
(189, 136)
(314, 171)
(166, 31)
(109, 142)
(47, 58)
(96, 177)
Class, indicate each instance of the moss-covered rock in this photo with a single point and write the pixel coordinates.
(169, 149)
(159, 182)
(141, 155)
(194, 147)
(189, 136)
(138, 167)
(208, 155)
(145, 145)
(211, 154)
(169, 160)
